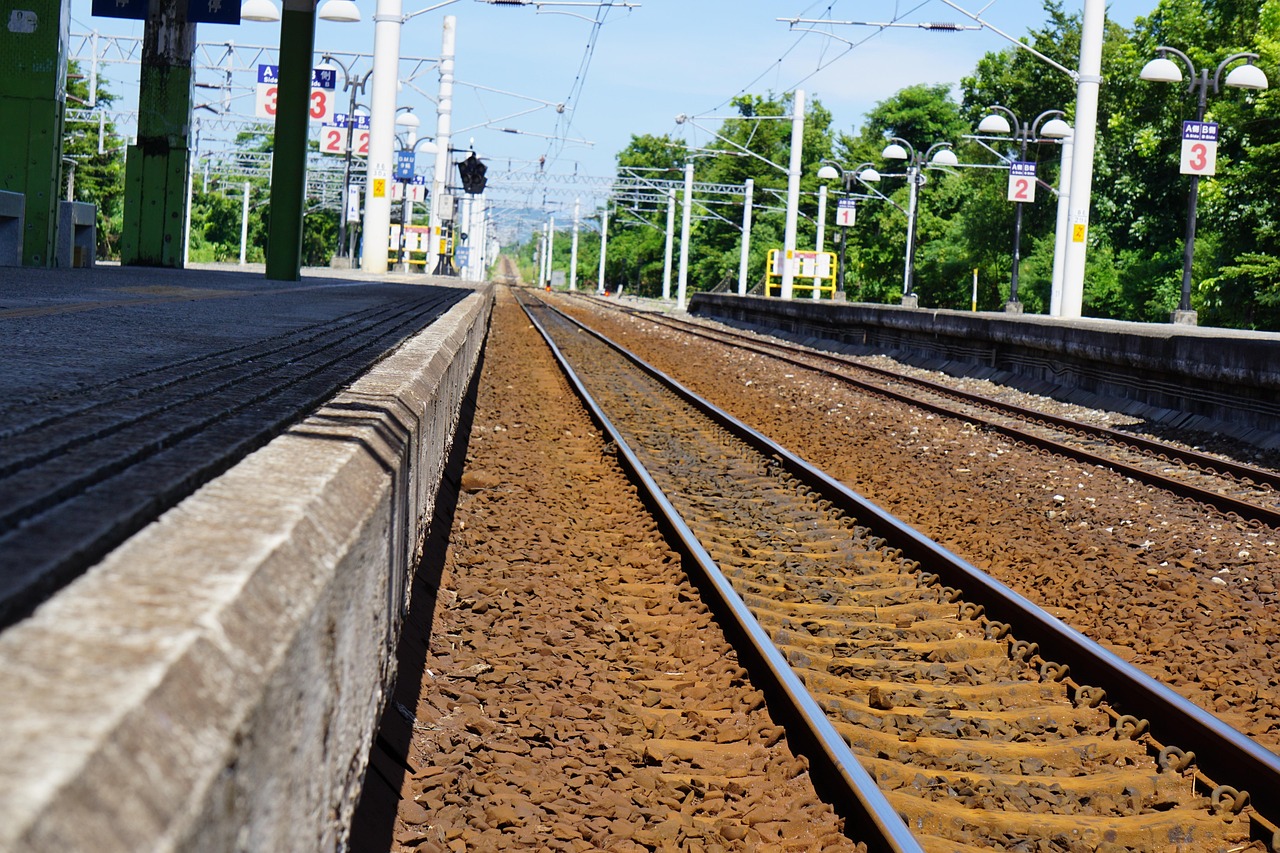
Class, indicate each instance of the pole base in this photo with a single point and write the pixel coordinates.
(1013, 307)
(1183, 318)
(338, 263)
(910, 300)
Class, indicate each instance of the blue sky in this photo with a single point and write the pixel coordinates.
(648, 64)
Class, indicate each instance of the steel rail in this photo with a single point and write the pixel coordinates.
(1225, 503)
(873, 810)
(1222, 752)
(1213, 464)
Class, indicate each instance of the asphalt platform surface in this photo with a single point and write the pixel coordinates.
(123, 389)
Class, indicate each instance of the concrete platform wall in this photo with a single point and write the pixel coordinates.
(214, 684)
(1218, 377)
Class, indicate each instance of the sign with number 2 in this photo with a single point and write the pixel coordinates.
(1022, 181)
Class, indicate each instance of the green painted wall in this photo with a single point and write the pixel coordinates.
(33, 86)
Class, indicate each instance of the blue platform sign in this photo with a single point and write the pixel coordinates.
(213, 11)
(405, 163)
(135, 9)
(198, 11)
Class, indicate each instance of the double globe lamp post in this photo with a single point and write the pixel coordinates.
(1162, 69)
(937, 154)
(865, 174)
(1046, 126)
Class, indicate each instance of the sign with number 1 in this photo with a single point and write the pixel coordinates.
(1199, 148)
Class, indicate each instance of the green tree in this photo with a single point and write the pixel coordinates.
(98, 155)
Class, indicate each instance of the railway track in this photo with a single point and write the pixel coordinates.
(1235, 488)
(81, 472)
(986, 723)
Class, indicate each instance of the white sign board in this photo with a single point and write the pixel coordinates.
(324, 82)
(1199, 148)
(1022, 181)
(353, 201)
(333, 137)
(417, 189)
(845, 212)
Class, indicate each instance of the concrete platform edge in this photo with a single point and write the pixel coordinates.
(199, 690)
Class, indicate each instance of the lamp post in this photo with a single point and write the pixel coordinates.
(1199, 139)
(866, 175)
(1022, 181)
(937, 154)
(354, 86)
(410, 122)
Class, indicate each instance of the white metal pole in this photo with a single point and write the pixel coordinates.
(793, 194)
(686, 221)
(444, 129)
(912, 176)
(388, 19)
(551, 245)
(822, 225)
(1060, 231)
(573, 247)
(1086, 132)
(542, 256)
(604, 247)
(186, 228)
(671, 237)
(244, 223)
(748, 192)
(464, 227)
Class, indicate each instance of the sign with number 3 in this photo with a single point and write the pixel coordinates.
(1199, 148)
(320, 106)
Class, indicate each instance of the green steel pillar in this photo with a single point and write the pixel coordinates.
(33, 93)
(289, 165)
(156, 167)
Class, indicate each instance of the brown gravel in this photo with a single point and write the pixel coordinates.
(576, 694)
(1185, 593)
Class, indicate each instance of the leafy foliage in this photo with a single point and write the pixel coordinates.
(98, 154)
(966, 225)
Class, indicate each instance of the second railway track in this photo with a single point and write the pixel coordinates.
(977, 714)
(1248, 491)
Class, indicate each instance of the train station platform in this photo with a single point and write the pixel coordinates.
(213, 492)
(1194, 378)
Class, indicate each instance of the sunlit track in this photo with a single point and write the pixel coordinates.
(1250, 492)
(971, 708)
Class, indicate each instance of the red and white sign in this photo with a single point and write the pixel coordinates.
(845, 212)
(417, 189)
(324, 83)
(333, 137)
(1199, 148)
(1022, 181)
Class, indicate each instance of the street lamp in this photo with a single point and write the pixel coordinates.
(354, 86)
(1022, 174)
(937, 154)
(865, 174)
(1199, 139)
